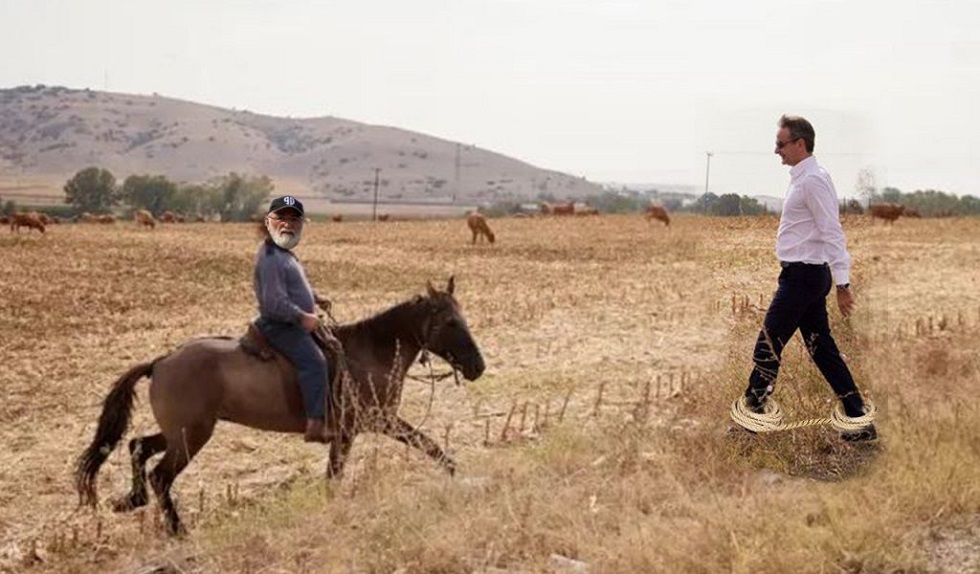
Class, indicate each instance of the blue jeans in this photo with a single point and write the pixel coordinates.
(801, 303)
(311, 366)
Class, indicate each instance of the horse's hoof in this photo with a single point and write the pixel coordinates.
(127, 503)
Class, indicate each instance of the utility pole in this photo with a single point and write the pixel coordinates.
(707, 170)
(374, 216)
(456, 173)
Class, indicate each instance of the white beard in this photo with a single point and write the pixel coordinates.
(285, 240)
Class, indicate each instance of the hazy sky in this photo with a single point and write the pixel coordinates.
(630, 91)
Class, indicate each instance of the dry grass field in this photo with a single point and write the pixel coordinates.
(598, 439)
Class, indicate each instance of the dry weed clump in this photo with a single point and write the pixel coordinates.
(613, 348)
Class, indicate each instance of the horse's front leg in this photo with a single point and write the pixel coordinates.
(339, 450)
(402, 431)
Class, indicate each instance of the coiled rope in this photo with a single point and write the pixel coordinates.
(771, 419)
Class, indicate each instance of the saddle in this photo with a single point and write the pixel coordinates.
(256, 344)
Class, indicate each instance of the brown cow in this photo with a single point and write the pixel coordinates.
(168, 217)
(558, 208)
(383, 217)
(478, 225)
(564, 208)
(4, 220)
(657, 212)
(887, 211)
(107, 218)
(143, 217)
(337, 218)
(28, 220)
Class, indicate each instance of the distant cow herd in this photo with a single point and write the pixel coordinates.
(476, 222)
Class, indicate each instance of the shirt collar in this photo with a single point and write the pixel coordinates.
(805, 165)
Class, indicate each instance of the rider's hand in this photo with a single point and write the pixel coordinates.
(309, 322)
(323, 303)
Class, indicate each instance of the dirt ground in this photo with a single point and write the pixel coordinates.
(592, 311)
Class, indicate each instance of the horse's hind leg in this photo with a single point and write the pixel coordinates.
(402, 431)
(181, 448)
(141, 450)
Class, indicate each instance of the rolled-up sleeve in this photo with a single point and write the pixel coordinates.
(822, 203)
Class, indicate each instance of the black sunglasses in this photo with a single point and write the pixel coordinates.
(781, 145)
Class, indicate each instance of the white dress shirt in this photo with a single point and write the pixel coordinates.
(809, 228)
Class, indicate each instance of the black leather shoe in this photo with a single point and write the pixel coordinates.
(868, 433)
(755, 405)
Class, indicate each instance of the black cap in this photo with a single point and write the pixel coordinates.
(286, 202)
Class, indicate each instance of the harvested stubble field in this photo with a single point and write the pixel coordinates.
(614, 347)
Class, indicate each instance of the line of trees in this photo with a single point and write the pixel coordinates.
(929, 202)
(233, 197)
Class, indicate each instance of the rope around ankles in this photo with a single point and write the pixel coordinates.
(771, 419)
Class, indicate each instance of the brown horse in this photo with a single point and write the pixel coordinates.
(210, 379)
(478, 226)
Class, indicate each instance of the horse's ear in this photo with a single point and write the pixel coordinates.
(430, 289)
(451, 286)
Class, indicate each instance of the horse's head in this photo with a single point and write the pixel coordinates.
(445, 333)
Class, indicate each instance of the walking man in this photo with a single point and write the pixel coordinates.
(812, 252)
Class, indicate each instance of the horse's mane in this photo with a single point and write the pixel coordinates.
(383, 321)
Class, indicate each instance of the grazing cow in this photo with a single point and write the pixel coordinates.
(558, 208)
(107, 218)
(383, 217)
(478, 225)
(43, 217)
(337, 218)
(168, 217)
(657, 212)
(887, 211)
(28, 220)
(563, 208)
(143, 217)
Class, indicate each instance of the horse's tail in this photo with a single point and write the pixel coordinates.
(113, 422)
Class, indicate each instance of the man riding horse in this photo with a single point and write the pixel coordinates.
(286, 304)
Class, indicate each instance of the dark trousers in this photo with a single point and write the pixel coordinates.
(801, 303)
(311, 366)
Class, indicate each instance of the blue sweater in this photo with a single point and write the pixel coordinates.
(281, 287)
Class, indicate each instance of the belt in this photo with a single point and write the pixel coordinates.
(785, 264)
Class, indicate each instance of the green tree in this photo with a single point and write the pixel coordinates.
(728, 204)
(891, 195)
(154, 193)
(238, 197)
(92, 189)
(195, 199)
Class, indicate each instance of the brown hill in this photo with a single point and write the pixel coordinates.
(49, 133)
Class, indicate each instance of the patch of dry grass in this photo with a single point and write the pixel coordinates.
(646, 478)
